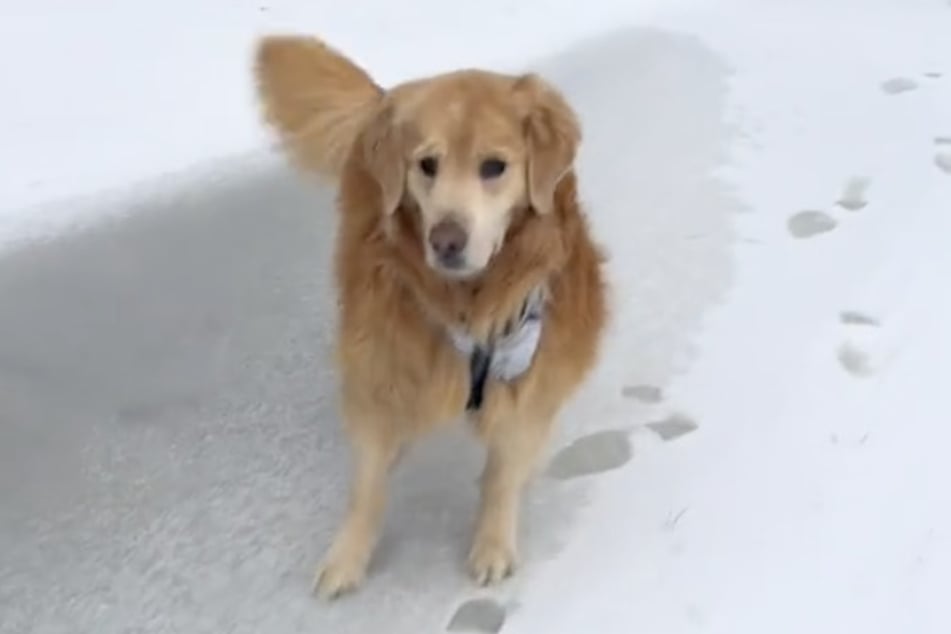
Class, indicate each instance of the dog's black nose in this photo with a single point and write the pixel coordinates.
(448, 240)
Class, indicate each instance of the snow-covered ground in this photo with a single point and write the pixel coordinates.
(761, 450)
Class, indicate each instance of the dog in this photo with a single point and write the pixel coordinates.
(469, 283)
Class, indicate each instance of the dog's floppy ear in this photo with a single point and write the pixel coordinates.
(382, 147)
(317, 99)
(553, 134)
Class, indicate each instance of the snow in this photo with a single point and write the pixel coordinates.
(812, 495)
(103, 96)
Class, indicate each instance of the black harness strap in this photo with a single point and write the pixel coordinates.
(482, 355)
(479, 362)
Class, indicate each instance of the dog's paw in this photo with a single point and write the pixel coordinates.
(338, 576)
(491, 561)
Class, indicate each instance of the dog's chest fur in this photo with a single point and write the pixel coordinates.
(503, 355)
(511, 351)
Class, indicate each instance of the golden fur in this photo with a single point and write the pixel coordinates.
(401, 375)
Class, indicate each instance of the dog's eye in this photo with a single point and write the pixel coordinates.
(491, 168)
(429, 166)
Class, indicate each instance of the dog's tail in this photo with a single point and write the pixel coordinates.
(317, 100)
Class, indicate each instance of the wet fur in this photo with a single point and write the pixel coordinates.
(401, 375)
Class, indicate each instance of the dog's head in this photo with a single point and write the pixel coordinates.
(463, 151)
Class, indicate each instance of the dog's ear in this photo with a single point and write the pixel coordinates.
(382, 148)
(317, 99)
(553, 134)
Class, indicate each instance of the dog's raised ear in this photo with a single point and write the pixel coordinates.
(318, 100)
(553, 134)
(382, 147)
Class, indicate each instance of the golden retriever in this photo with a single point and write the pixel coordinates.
(468, 281)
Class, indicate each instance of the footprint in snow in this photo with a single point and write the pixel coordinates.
(898, 85)
(592, 454)
(857, 318)
(478, 616)
(673, 427)
(611, 449)
(853, 357)
(855, 360)
(943, 161)
(853, 196)
(807, 224)
(643, 393)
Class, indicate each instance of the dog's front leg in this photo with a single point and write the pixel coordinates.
(514, 447)
(376, 449)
